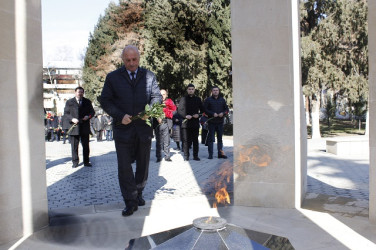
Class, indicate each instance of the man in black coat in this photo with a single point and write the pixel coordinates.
(79, 111)
(216, 108)
(125, 93)
(190, 108)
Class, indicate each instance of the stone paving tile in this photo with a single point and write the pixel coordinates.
(98, 185)
(327, 174)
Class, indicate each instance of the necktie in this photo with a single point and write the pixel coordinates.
(133, 77)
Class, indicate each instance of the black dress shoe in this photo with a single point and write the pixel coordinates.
(222, 156)
(88, 164)
(186, 158)
(129, 210)
(158, 160)
(75, 165)
(168, 159)
(196, 158)
(210, 157)
(141, 201)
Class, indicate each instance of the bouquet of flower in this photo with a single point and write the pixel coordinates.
(153, 111)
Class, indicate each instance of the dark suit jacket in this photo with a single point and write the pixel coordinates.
(190, 105)
(120, 97)
(72, 110)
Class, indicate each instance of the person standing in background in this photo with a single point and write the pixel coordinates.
(216, 108)
(190, 108)
(162, 130)
(78, 111)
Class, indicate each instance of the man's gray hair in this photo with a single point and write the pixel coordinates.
(130, 47)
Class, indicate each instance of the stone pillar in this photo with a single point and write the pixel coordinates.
(372, 107)
(23, 196)
(270, 132)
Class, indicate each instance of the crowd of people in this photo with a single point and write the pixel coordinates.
(125, 93)
(57, 126)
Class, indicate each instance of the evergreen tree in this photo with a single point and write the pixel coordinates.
(334, 51)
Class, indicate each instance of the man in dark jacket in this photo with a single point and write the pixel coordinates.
(190, 108)
(125, 93)
(216, 108)
(78, 111)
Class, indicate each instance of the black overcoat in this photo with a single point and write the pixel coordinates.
(73, 110)
(120, 97)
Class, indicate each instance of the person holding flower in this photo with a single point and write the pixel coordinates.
(126, 93)
(190, 108)
(78, 111)
(216, 108)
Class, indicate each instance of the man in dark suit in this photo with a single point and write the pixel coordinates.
(190, 107)
(125, 93)
(79, 111)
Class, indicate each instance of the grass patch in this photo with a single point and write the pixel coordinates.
(339, 128)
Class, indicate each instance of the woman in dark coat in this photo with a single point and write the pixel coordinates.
(176, 127)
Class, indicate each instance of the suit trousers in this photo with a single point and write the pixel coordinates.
(190, 136)
(215, 128)
(75, 140)
(132, 184)
(162, 137)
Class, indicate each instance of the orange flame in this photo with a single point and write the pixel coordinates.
(224, 177)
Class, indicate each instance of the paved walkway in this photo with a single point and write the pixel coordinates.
(331, 180)
(177, 193)
(98, 185)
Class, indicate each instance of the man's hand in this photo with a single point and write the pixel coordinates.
(145, 117)
(75, 121)
(188, 117)
(195, 116)
(85, 118)
(215, 115)
(220, 115)
(126, 119)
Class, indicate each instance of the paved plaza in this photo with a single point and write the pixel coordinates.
(85, 203)
(334, 184)
(98, 185)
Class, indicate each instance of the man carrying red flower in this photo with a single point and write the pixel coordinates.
(162, 130)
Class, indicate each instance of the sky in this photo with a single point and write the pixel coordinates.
(66, 26)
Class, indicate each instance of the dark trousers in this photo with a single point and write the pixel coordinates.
(75, 140)
(190, 136)
(65, 136)
(132, 184)
(99, 135)
(204, 135)
(215, 128)
(162, 140)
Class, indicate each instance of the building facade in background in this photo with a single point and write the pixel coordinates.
(60, 79)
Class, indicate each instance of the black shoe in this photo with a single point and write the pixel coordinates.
(221, 154)
(129, 210)
(75, 165)
(88, 164)
(186, 158)
(159, 159)
(196, 158)
(210, 157)
(141, 201)
(168, 159)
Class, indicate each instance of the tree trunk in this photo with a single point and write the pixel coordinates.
(316, 117)
(308, 120)
(367, 124)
